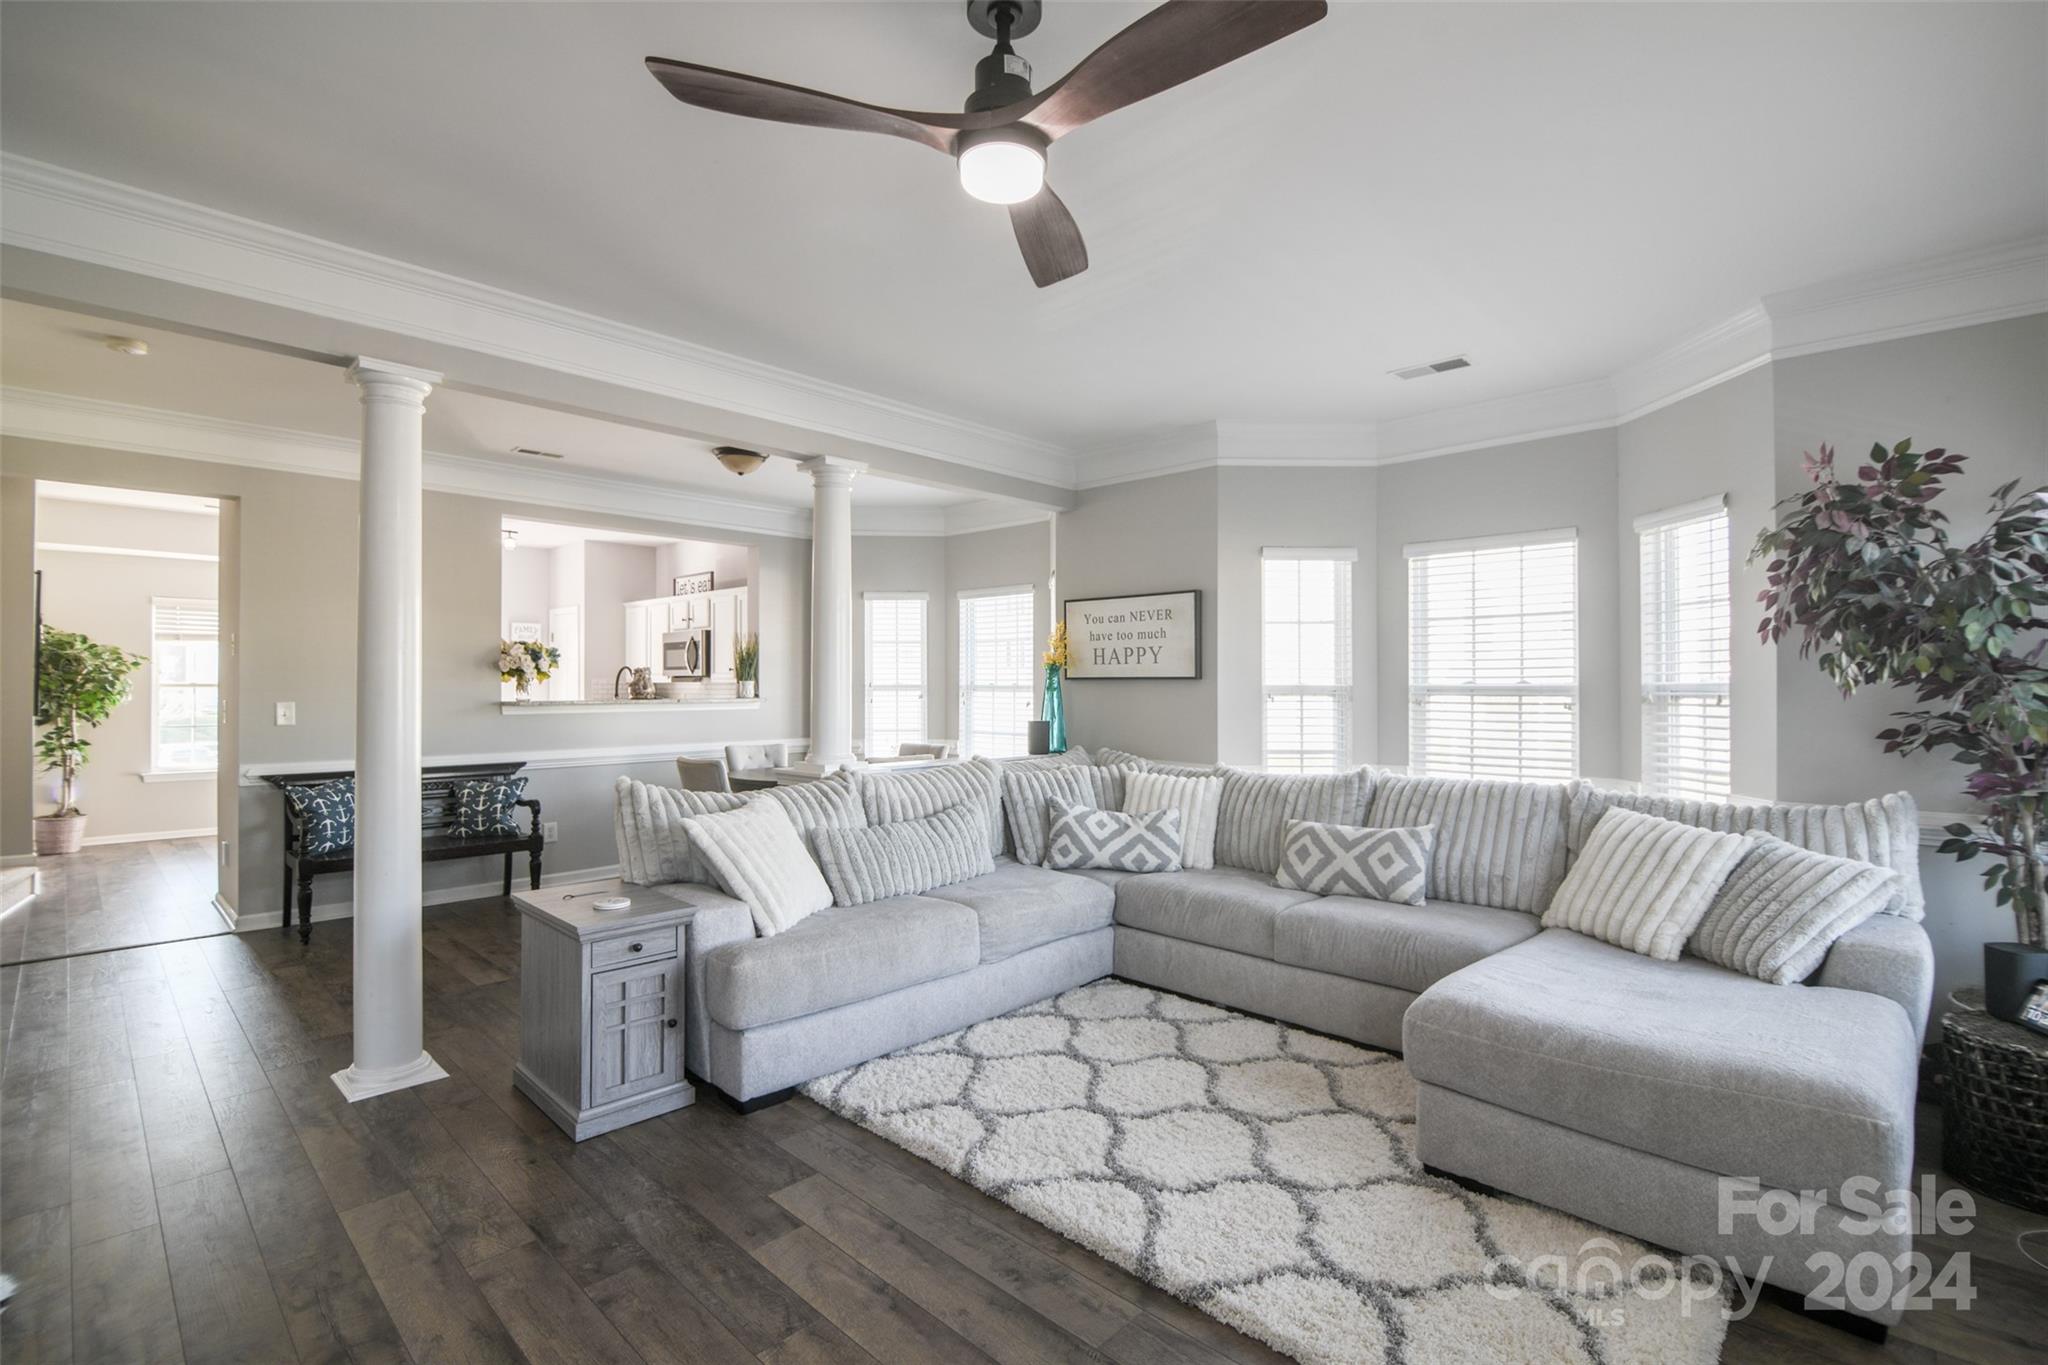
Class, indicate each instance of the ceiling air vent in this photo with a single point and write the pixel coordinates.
(543, 454)
(1456, 362)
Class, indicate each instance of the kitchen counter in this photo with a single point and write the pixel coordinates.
(535, 708)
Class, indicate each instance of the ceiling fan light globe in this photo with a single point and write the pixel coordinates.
(1002, 172)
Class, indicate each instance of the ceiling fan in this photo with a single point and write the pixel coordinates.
(1001, 138)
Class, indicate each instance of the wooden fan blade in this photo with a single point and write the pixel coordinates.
(731, 92)
(1176, 42)
(1049, 237)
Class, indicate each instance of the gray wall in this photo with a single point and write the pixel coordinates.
(1257, 508)
(1012, 557)
(904, 564)
(1532, 486)
(288, 588)
(1155, 535)
(1719, 442)
(107, 597)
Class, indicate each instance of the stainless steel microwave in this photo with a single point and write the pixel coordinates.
(686, 654)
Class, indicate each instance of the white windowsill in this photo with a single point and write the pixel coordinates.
(541, 708)
(178, 775)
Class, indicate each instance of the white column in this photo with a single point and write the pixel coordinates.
(389, 1054)
(831, 612)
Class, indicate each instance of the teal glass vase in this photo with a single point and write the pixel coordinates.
(1053, 712)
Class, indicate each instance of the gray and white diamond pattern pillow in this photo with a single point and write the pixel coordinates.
(1085, 837)
(1348, 860)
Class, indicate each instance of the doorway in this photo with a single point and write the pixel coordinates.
(130, 663)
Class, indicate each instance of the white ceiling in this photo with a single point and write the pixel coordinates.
(54, 351)
(1554, 189)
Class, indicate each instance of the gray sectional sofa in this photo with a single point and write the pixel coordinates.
(1550, 1065)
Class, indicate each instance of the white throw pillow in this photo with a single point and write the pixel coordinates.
(1643, 883)
(1784, 906)
(1196, 798)
(759, 858)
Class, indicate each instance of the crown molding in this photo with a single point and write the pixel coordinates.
(1959, 290)
(66, 213)
(64, 418)
(993, 514)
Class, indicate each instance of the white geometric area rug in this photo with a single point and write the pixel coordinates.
(1267, 1176)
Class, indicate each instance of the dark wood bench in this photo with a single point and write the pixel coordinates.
(438, 842)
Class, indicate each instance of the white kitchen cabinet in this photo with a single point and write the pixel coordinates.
(638, 618)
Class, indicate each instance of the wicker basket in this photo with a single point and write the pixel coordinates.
(1994, 1108)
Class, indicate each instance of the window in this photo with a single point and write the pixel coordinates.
(997, 670)
(895, 710)
(1493, 656)
(1306, 659)
(1685, 649)
(184, 684)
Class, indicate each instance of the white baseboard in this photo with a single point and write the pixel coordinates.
(17, 860)
(267, 917)
(92, 840)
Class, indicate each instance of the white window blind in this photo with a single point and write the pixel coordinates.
(1493, 656)
(1685, 650)
(184, 684)
(895, 709)
(1305, 660)
(997, 671)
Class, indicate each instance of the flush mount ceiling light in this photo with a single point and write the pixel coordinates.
(134, 346)
(1000, 137)
(509, 537)
(739, 459)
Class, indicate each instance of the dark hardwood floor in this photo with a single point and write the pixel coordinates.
(180, 1180)
(116, 896)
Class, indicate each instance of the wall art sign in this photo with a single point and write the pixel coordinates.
(689, 584)
(1154, 635)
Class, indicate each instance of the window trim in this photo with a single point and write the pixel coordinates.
(1522, 540)
(924, 690)
(1344, 695)
(961, 597)
(160, 771)
(1646, 526)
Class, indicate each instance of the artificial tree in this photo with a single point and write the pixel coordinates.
(78, 685)
(1866, 572)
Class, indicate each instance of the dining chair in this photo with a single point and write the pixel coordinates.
(741, 757)
(704, 774)
(943, 749)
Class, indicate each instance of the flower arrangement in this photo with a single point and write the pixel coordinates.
(1052, 708)
(526, 662)
(1056, 646)
(1865, 571)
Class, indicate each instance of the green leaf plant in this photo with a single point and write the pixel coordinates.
(79, 684)
(1865, 573)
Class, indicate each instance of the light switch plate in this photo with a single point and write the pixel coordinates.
(287, 713)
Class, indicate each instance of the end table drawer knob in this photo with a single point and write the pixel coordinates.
(632, 947)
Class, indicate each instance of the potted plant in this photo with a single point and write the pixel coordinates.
(746, 664)
(1866, 572)
(78, 685)
(526, 662)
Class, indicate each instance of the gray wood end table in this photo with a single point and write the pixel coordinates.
(601, 993)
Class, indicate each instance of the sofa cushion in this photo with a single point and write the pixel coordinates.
(876, 862)
(1252, 819)
(760, 858)
(1884, 830)
(1497, 843)
(1022, 907)
(647, 821)
(1408, 946)
(1784, 906)
(1029, 791)
(1643, 883)
(1224, 907)
(889, 798)
(1799, 1087)
(838, 956)
(1198, 799)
